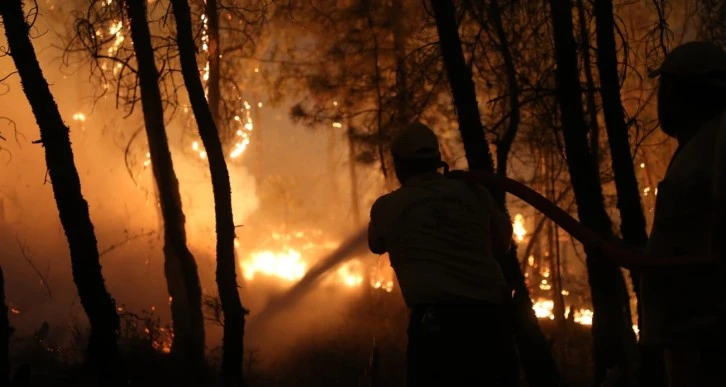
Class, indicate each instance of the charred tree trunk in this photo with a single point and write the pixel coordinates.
(214, 94)
(534, 351)
(590, 96)
(632, 224)
(234, 312)
(72, 207)
(613, 337)
(5, 332)
(179, 265)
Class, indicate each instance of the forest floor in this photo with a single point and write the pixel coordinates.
(367, 344)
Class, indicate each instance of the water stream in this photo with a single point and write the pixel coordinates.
(354, 245)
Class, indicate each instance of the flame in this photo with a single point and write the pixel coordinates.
(543, 308)
(287, 264)
(518, 227)
(290, 261)
(350, 273)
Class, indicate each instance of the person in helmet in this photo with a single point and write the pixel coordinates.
(442, 236)
(683, 309)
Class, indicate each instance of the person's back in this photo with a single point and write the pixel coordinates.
(442, 236)
(684, 309)
(436, 232)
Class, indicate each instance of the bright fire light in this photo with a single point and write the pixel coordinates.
(518, 226)
(287, 264)
(544, 309)
(291, 260)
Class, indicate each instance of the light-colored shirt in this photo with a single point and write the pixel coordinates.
(438, 233)
(684, 306)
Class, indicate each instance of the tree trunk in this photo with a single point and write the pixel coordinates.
(353, 171)
(478, 156)
(534, 351)
(179, 265)
(590, 96)
(632, 219)
(505, 144)
(403, 99)
(72, 207)
(613, 337)
(214, 94)
(234, 312)
(5, 332)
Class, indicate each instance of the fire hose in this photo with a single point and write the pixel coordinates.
(610, 250)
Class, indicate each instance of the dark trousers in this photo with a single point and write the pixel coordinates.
(461, 345)
(696, 367)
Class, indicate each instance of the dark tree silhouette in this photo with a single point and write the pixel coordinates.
(214, 93)
(72, 207)
(234, 313)
(180, 267)
(535, 353)
(504, 145)
(585, 48)
(632, 219)
(613, 338)
(631, 210)
(5, 332)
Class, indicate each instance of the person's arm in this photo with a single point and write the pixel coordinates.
(375, 240)
(501, 227)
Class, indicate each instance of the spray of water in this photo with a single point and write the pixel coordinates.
(352, 246)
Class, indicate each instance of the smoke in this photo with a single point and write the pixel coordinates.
(287, 181)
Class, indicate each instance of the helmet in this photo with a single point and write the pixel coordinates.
(693, 60)
(415, 141)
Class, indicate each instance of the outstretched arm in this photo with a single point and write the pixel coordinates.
(375, 242)
(500, 225)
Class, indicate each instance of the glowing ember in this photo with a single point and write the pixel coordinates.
(14, 310)
(518, 226)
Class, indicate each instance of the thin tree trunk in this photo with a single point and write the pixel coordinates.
(559, 302)
(333, 170)
(478, 155)
(380, 132)
(179, 265)
(353, 170)
(628, 194)
(590, 95)
(403, 98)
(234, 312)
(5, 332)
(534, 351)
(72, 207)
(505, 144)
(214, 94)
(632, 219)
(613, 336)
